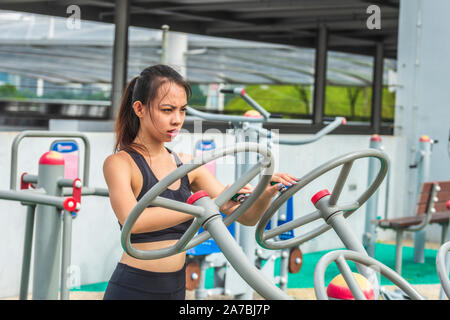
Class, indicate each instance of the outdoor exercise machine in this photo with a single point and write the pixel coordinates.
(207, 215)
(330, 212)
(52, 201)
(421, 162)
(442, 267)
(207, 254)
(370, 231)
(248, 128)
(427, 206)
(290, 258)
(341, 256)
(326, 203)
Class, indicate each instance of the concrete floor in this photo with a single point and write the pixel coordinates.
(429, 291)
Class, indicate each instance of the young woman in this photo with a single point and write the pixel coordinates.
(151, 113)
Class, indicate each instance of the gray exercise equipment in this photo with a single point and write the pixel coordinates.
(370, 230)
(333, 214)
(442, 267)
(297, 142)
(49, 216)
(340, 257)
(328, 209)
(250, 129)
(207, 215)
(423, 165)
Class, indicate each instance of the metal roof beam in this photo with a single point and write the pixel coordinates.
(252, 6)
(97, 3)
(316, 13)
(19, 1)
(193, 2)
(289, 26)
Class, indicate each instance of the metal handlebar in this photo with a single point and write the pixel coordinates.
(190, 237)
(221, 117)
(231, 118)
(265, 117)
(229, 91)
(442, 267)
(265, 237)
(324, 131)
(255, 105)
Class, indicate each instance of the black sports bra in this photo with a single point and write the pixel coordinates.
(181, 194)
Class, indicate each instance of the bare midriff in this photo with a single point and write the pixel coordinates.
(168, 264)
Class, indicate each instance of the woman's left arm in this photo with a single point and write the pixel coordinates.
(202, 179)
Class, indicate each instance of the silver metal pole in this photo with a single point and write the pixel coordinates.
(164, 45)
(350, 278)
(351, 242)
(241, 262)
(345, 233)
(284, 266)
(66, 254)
(370, 234)
(398, 251)
(32, 198)
(347, 236)
(247, 233)
(27, 246)
(423, 175)
(47, 249)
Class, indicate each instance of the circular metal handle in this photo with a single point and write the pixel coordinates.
(340, 257)
(442, 267)
(265, 238)
(201, 214)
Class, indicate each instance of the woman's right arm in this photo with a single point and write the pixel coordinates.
(117, 172)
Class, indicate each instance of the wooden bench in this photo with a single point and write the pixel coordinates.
(433, 206)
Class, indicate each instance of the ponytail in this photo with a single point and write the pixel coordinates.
(127, 123)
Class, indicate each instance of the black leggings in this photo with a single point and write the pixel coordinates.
(129, 283)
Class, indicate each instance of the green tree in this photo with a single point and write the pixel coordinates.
(9, 91)
(352, 95)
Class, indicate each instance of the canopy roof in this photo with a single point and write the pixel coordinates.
(41, 46)
(291, 22)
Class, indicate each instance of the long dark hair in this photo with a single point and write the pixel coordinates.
(142, 88)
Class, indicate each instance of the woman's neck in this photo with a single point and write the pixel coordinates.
(154, 148)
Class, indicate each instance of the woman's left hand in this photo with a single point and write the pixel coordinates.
(283, 180)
